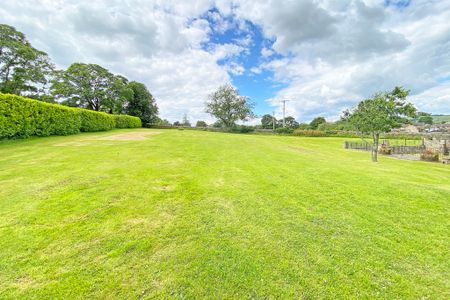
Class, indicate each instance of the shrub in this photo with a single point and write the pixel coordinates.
(22, 117)
(429, 155)
(284, 130)
(96, 121)
(242, 129)
(312, 133)
(125, 121)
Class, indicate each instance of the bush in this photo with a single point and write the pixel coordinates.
(22, 117)
(311, 132)
(284, 130)
(429, 155)
(96, 121)
(242, 129)
(125, 121)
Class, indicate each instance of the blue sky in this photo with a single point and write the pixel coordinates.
(324, 55)
(258, 86)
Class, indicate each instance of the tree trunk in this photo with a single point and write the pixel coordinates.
(376, 138)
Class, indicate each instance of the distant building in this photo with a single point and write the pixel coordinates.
(438, 128)
(408, 128)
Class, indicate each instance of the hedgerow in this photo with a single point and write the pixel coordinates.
(95, 121)
(21, 117)
(125, 121)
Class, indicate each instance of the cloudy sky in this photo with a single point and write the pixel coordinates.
(324, 56)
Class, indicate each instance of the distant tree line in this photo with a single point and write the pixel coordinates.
(27, 71)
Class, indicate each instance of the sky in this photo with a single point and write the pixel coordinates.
(322, 56)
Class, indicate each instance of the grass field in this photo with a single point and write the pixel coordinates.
(440, 119)
(191, 214)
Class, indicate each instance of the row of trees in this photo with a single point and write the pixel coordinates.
(373, 116)
(26, 71)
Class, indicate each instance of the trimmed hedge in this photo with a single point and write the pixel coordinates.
(22, 117)
(125, 121)
(95, 121)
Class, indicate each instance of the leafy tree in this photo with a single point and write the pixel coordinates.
(24, 70)
(316, 122)
(218, 124)
(303, 126)
(267, 121)
(90, 86)
(176, 123)
(158, 121)
(139, 102)
(426, 119)
(289, 122)
(201, 124)
(228, 106)
(380, 114)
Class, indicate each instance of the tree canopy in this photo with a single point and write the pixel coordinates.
(316, 122)
(267, 121)
(380, 114)
(139, 102)
(289, 122)
(89, 86)
(228, 106)
(24, 70)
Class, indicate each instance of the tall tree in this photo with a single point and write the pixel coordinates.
(201, 124)
(380, 114)
(23, 69)
(228, 106)
(267, 121)
(140, 103)
(289, 122)
(89, 86)
(316, 122)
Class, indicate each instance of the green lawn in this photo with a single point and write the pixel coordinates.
(192, 214)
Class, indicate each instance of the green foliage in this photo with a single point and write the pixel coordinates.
(21, 117)
(338, 125)
(242, 129)
(289, 122)
(90, 86)
(380, 114)
(303, 126)
(140, 103)
(201, 124)
(312, 133)
(23, 69)
(425, 119)
(96, 121)
(284, 130)
(267, 121)
(316, 122)
(228, 106)
(125, 121)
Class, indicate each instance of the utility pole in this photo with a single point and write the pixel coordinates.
(273, 120)
(284, 112)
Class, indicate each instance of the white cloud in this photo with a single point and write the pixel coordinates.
(335, 52)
